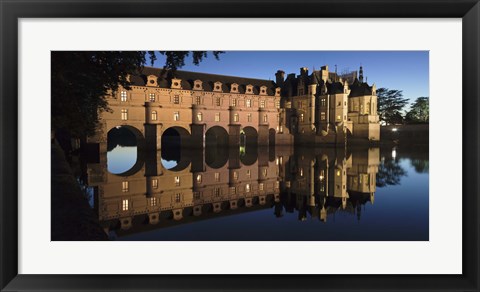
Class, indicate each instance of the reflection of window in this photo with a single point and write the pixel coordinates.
(249, 117)
(249, 103)
(176, 99)
(199, 117)
(154, 115)
(265, 171)
(125, 186)
(199, 178)
(323, 101)
(234, 102)
(177, 198)
(249, 174)
(177, 181)
(278, 117)
(260, 186)
(302, 118)
(247, 188)
(153, 202)
(176, 116)
(235, 175)
(277, 184)
(265, 118)
(322, 116)
(235, 118)
(338, 172)
(217, 117)
(123, 95)
(217, 176)
(233, 190)
(339, 118)
(125, 205)
(301, 171)
(152, 97)
(155, 183)
(124, 114)
(217, 101)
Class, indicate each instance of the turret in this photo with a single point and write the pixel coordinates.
(280, 78)
(360, 73)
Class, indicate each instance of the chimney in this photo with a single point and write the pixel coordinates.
(280, 78)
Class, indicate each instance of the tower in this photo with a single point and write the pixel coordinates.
(360, 77)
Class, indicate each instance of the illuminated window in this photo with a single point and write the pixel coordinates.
(280, 129)
(277, 104)
(235, 118)
(153, 202)
(154, 115)
(217, 176)
(247, 188)
(124, 114)
(249, 174)
(234, 102)
(265, 172)
(233, 190)
(277, 184)
(323, 101)
(198, 100)
(262, 103)
(123, 95)
(125, 186)
(217, 117)
(151, 97)
(322, 116)
(155, 183)
(176, 116)
(235, 175)
(199, 178)
(217, 101)
(265, 118)
(302, 118)
(278, 117)
(249, 103)
(322, 175)
(216, 192)
(177, 181)
(125, 205)
(260, 186)
(339, 118)
(199, 117)
(301, 171)
(249, 117)
(176, 99)
(338, 172)
(177, 198)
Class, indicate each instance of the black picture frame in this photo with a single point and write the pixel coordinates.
(12, 11)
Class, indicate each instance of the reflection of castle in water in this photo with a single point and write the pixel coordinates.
(219, 181)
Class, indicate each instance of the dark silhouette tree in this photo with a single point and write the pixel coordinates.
(81, 80)
(389, 173)
(419, 112)
(390, 105)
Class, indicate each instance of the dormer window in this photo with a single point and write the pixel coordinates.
(197, 85)
(277, 91)
(249, 89)
(152, 80)
(263, 90)
(234, 88)
(176, 83)
(217, 86)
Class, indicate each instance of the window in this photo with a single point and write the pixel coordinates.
(249, 117)
(262, 103)
(216, 192)
(249, 173)
(151, 97)
(301, 171)
(177, 181)
(177, 198)
(198, 100)
(323, 101)
(154, 115)
(322, 175)
(280, 129)
(125, 186)
(233, 190)
(249, 103)
(265, 172)
(247, 188)
(277, 104)
(123, 95)
(217, 117)
(302, 118)
(278, 117)
(277, 184)
(155, 183)
(235, 118)
(176, 116)
(176, 99)
(235, 175)
(199, 117)
(153, 202)
(265, 118)
(300, 91)
(338, 172)
(124, 114)
(234, 102)
(339, 118)
(260, 186)
(322, 116)
(218, 101)
(125, 205)
(199, 178)
(217, 176)
(196, 195)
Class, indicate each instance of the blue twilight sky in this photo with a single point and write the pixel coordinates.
(402, 70)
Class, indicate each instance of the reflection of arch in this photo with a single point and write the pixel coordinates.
(126, 135)
(249, 136)
(216, 147)
(216, 136)
(271, 137)
(248, 154)
(173, 139)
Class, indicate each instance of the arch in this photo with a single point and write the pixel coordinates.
(248, 136)
(174, 140)
(128, 161)
(216, 147)
(216, 136)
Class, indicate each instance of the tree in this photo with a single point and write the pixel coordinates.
(419, 111)
(390, 105)
(81, 80)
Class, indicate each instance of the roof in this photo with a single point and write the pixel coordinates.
(360, 89)
(188, 78)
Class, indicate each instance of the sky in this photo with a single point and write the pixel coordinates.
(402, 70)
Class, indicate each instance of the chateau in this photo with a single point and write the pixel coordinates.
(200, 109)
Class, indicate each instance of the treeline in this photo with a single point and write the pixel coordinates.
(392, 108)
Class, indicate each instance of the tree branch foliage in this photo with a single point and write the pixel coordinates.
(419, 111)
(390, 105)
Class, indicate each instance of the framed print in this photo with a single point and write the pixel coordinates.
(219, 145)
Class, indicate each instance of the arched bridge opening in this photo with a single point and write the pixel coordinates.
(216, 147)
(124, 150)
(174, 142)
